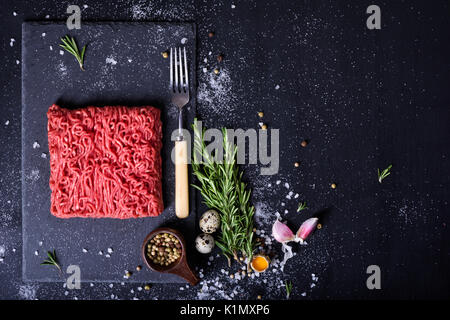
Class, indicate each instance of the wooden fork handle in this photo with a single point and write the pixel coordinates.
(181, 180)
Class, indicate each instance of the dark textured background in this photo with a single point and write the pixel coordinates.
(363, 98)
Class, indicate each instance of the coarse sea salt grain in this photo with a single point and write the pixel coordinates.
(184, 40)
(51, 48)
(61, 52)
(17, 61)
(47, 16)
(36, 253)
(84, 250)
(44, 156)
(6, 122)
(277, 87)
(110, 250)
(36, 145)
(43, 34)
(278, 182)
(286, 185)
(111, 60)
(14, 13)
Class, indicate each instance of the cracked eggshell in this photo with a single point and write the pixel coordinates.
(210, 221)
(204, 243)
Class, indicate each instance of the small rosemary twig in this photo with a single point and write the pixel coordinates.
(69, 44)
(288, 286)
(52, 260)
(302, 206)
(384, 173)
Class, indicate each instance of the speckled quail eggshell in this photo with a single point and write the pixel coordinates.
(210, 221)
(204, 243)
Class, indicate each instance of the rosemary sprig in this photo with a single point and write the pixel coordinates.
(69, 44)
(384, 173)
(221, 186)
(288, 287)
(52, 260)
(302, 206)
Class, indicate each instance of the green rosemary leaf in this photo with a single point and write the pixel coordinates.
(69, 44)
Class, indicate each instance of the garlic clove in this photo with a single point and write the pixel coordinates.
(281, 232)
(306, 228)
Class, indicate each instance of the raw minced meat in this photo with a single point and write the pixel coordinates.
(105, 162)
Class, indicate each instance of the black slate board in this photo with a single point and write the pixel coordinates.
(124, 66)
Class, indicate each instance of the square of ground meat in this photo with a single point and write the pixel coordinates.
(105, 162)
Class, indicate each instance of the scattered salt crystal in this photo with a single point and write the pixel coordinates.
(43, 155)
(66, 293)
(205, 70)
(131, 291)
(296, 196)
(233, 6)
(17, 61)
(211, 258)
(277, 87)
(7, 122)
(107, 255)
(181, 288)
(111, 285)
(269, 185)
(14, 250)
(85, 6)
(209, 53)
(111, 60)
(51, 48)
(303, 294)
(278, 182)
(130, 60)
(312, 285)
(85, 250)
(286, 185)
(283, 204)
(91, 284)
(43, 34)
(61, 52)
(47, 16)
(110, 250)
(100, 252)
(286, 211)
(184, 40)
(40, 243)
(11, 43)
(14, 14)
(36, 253)
(36, 145)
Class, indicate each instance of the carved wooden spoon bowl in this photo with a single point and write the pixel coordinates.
(179, 267)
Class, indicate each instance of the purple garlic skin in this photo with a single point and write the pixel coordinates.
(306, 229)
(281, 232)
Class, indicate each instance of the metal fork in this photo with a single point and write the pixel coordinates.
(179, 88)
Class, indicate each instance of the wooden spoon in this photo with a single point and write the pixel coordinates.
(179, 267)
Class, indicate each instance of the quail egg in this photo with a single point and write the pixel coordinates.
(204, 243)
(210, 221)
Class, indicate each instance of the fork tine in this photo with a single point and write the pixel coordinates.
(171, 70)
(180, 58)
(186, 74)
(177, 89)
